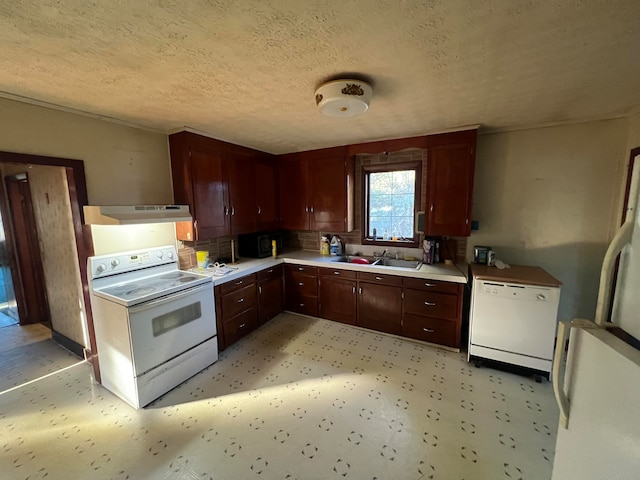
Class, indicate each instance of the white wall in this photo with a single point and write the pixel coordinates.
(548, 197)
(123, 165)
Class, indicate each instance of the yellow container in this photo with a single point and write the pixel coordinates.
(324, 246)
(203, 259)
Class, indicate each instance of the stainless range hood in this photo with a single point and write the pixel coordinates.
(135, 214)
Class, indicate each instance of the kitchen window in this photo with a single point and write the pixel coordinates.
(391, 195)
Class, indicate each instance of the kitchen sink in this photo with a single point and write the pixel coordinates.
(391, 262)
(357, 259)
(380, 262)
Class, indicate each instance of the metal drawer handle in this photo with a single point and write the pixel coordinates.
(430, 284)
(302, 304)
(378, 278)
(430, 304)
(270, 271)
(300, 269)
(260, 290)
(243, 325)
(336, 273)
(353, 289)
(241, 300)
(428, 330)
(301, 284)
(240, 282)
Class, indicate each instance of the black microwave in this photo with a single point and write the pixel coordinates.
(258, 245)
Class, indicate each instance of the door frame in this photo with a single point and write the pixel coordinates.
(78, 197)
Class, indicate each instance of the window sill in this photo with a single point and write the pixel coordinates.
(408, 243)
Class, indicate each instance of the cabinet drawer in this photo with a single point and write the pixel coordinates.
(238, 300)
(429, 304)
(302, 285)
(380, 278)
(269, 273)
(303, 304)
(238, 283)
(238, 326)
(434, 330)
(305, 269)
(432, 285)
(337, 273)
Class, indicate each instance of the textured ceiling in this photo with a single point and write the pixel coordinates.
(246, 71)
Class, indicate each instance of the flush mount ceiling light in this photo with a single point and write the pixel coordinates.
(343, 98)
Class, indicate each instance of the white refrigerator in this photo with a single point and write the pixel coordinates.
(599, 389)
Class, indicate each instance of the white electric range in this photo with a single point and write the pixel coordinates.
(155, 325)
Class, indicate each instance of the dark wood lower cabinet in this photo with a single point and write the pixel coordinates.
(337, 299)
(432, 311)
(270, 294)
(245, 303)
(301, 287)
(422, 309)
(380, 307)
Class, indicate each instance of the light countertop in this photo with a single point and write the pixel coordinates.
(523, 274)
(247, 266)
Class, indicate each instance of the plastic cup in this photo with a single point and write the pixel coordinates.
(203, 259)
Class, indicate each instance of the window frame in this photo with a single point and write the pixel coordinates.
(389, 167)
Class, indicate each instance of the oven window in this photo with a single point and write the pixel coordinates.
(176, 318)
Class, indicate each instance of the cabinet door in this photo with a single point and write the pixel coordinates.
(450, 185)
(266, 188)
(337, 299)
(240, 176)
(294, 204)
(270, 299)
(331, 191)
(209, 187)
(380, 307)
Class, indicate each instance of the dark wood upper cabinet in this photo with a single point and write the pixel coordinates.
(317, 190)
(199, 181)
(450, 165)
(219, 181)
(240, 175)
(294, 208)
(266, 191)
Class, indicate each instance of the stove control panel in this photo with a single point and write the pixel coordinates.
(105, 265)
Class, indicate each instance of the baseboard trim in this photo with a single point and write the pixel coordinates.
(67, 343)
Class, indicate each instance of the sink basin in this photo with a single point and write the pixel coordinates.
(380, 262)
(391, 262)
(357, 259)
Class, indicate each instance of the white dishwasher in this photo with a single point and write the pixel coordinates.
(513, 316)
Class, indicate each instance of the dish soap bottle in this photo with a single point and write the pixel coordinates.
(334, 247)
(324, 246)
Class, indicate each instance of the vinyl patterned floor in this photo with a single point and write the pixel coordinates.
(300, 398)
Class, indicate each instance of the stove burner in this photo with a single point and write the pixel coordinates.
(140, 291)
(187, 279)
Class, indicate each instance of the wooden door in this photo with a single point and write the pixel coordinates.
(240, 175)
(328, 194)
(270, 299)
(266, 188)
(210, 196)
(294, 203)
(380, 307)
(29, 284)
(337, 299)
(450, 186)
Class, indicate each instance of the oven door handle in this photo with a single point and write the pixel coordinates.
(171, 297)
